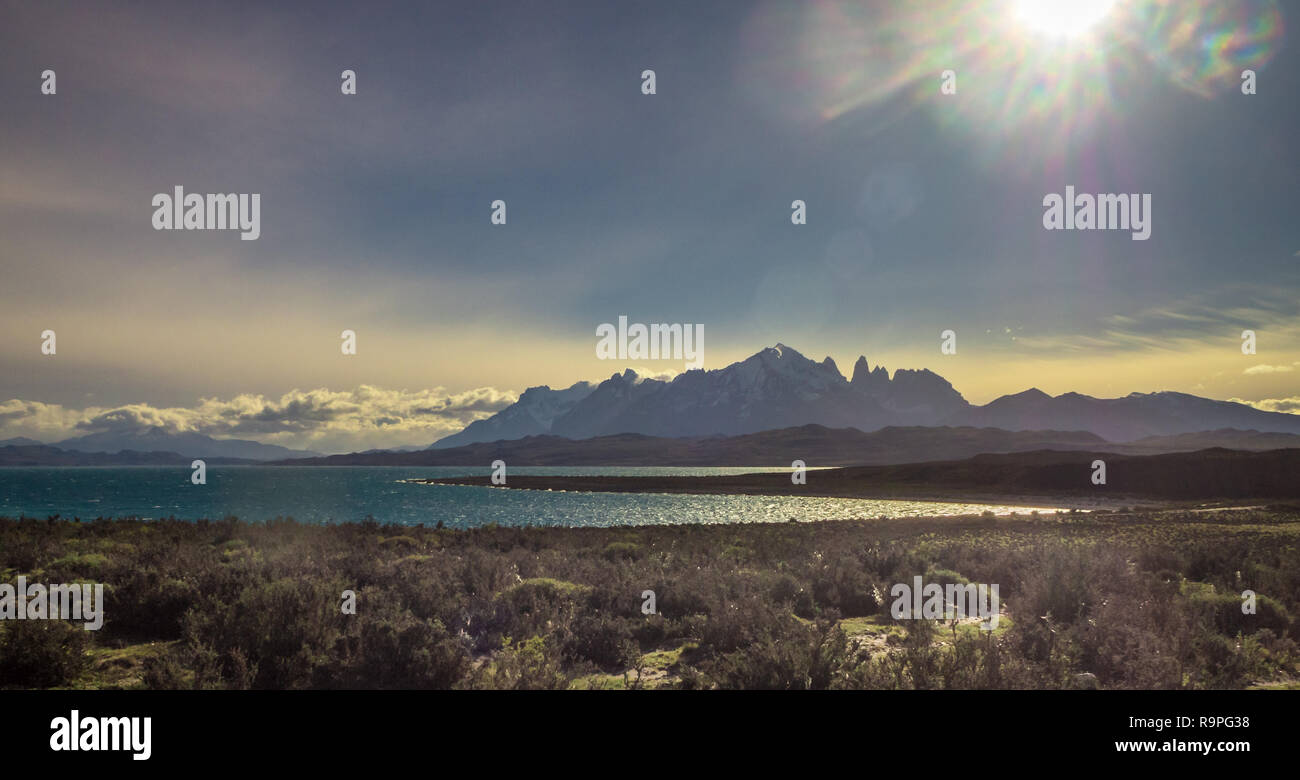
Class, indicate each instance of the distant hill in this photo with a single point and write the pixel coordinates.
(1135, 416)
(816, 445)
(192, 445)
(1228, 438)
(1213, 474)
(46, 455)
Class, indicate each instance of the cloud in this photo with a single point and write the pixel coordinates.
(1218, 316)
(1289, 405)
(662, 375)
(322, 419)
(1267, 369)
(33, 413)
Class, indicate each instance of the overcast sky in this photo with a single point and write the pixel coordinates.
(924, 210)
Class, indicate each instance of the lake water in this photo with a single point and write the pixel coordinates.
(319, 494)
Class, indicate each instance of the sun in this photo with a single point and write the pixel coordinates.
(1061, 18)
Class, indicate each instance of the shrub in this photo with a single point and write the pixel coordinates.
(534, 664)
(603, 640)
(41, 653)
(622, 551)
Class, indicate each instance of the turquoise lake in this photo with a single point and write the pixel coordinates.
(324, 494)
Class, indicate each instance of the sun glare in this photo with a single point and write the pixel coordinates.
(1061, 18)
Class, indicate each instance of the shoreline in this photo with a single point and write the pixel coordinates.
(1065, 479)
(654, 485)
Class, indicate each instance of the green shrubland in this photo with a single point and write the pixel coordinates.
(1114, 600)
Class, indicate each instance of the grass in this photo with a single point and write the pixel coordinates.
(117, 668)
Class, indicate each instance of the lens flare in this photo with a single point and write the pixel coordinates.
(1204, 45)
(820, 60)
(1036, 82)
(1061, 19)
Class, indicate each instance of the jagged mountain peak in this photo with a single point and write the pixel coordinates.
(864, 373)
(778, 353)
(540, 391)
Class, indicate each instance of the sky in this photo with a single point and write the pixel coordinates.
(924, 206)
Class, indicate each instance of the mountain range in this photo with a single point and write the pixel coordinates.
(629, 419)
(816, 445)
(780, 388)
(1134, 416)
(158, 440)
